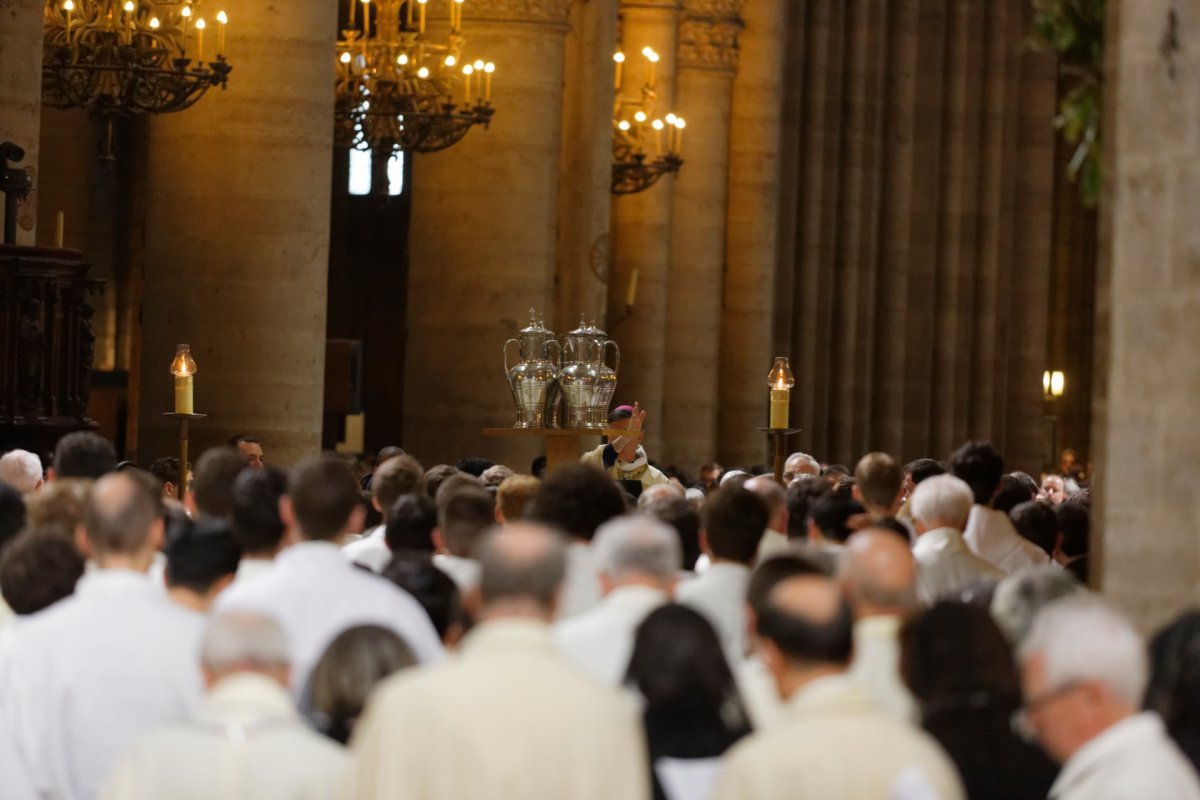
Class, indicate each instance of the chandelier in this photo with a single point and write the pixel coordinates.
(119, 57)
(399, 88)
(637, 131)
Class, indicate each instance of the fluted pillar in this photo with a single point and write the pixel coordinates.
(642, 230)
(21, 83)
(237, 239)
(708, 57)
(751, 232)
(483, 239)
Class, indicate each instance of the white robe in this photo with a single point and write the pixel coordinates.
(88, 675)
(371, 551)
(876, 665)
(246, 743)
(316, 594)
(1132, 759)
(600, 641)
(946, 566)
(991, 536)
(719, 593)
(505, 719)
(581, 586)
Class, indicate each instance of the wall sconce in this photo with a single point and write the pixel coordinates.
(1054, 383)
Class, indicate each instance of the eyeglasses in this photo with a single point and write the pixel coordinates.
(1022, 719)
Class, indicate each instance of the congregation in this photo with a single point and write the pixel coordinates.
(607, 630)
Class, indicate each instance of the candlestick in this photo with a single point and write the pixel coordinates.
(679, 126)
(129, 8)
(781, 381)
(488, 69)
(619, 59)
(779, 407)
(468, 70)
(183, 394)
(658, 129)
(186, 14)
(457, 7)
(631, 291)
(59, 229)
(367, 22)
(68, 6)
(200, 25)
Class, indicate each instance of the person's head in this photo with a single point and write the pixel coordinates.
(58, 508)
(733, 522)
(474, 466)
(12, 513)
(576, 499)
(495, 475)
(676, 511)
(835, 474)
(637, 549)
(257, 525)
(805, 631)
(202, 558)
(798, 465)
(250, 448)
(435, 475)
(1035, 521)
(537, 467)
(1174, 687)
(212, 489)
(513, 496)
(521, 570)
(800, 495)
(769, 574)
(918, 470)
(775, 496)
(709, 473)
(399, 475)
(239, 642)
(38, 569)
(1015, 488)
(1020, 596)
(981, 467)
(878, 574)
(878, 483)
(385, 453)
(830, 513)
(323, 499)
(942, 501)
(353, 664)
(166, 471)
(1083, 669)
(1068, 461)
(680, 670)
(1073, 528)
(1054, 488)
(123, 520)
(659, 490)
(465, 511)
(435, 590)
(83, 455)
(22, 470)
(410, 524)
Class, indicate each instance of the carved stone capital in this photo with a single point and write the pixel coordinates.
(540, 12)
(708, 35)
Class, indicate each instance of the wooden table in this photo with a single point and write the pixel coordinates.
(563, 445)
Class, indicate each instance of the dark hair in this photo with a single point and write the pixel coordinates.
(922, 468)
(166, 470)
(774, 571)
(212, 486)
(807, 641)
(83, 454)
(200, 553)
(434, 477)
(576, 499)
(12, 513)
(692, 707)
(801, 494)
(256, 521)
(832, 511)
(1174, 687)
(1036, 522)
(234, 441)
(835, 469)
(1015, 488)
(537, 467)
(981, 467)
(324, 493)
(893, 525)
(960, 668)
(399, 475)
(464, 513)
(410, 524)
(434, 590)
(1073, 523)
(474, 465)
(37, 570)
(734, 521)
(679, 514)
(385, 453)
(358, 659)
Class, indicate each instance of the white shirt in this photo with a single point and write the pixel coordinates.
(465, 572)
(250, 568)
(772, 543)
(581, 587)
(247, 743)
(991, 536)
(92, 672)
(719, 593)
(945, 566)
(371, 551)
(688, 778)
(756, 685)
(1131, 760)
(316, 594)
(876, 665)
(600, 641)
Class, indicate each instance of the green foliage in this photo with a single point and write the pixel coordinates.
(1074, 31)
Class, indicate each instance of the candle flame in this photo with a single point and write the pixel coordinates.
(657, 125)
(640, 116)
(468, 70)
(451, 61)
(222, 17)
(68, 5)
(489, 67)
(619, 57)
(423, 72)
(154, 23)
(129, 6)
(187, 11)
(200, 24)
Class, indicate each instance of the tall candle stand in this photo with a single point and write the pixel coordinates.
(184, 419)
(777, 438)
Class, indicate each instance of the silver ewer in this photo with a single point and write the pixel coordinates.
(586, 382)
(534, 377)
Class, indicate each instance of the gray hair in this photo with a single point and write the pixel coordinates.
(1020, 596)
(813, 466)
(659, 491)
(695, 497)
(522, 561)
(120, 512)
(943, 498)
(21, 470)
(637, 545)
(1081, 638)
(239, 641)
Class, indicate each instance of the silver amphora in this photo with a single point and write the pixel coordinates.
(532, 378)
(586, 382)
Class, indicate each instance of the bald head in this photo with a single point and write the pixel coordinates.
(878, 573)
(660, 492)
(123, 514)
(776, 499)
(809, 621)
(522, 562)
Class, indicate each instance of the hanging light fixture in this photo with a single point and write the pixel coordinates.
(400, 87)
(638, 132)
(118, 57)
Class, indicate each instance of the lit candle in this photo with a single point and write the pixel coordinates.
(366, 23)
(421, 24)
(129, 14)
(59, 229)
(639, 118)
(658, 129)
(631, 290)
(187, 16)
(619, 59)
(781, 382)
(679, 126)
(456, 6)
(200, 25)
(184, 370)
(467, 71)
(222, 21)
(68, 6)
(488, 69)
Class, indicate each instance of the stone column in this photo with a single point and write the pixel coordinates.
(708, 53)
(584, 200)
(642, 231)
(751, 233)
(483, 236)
(21, 84)
(237, 239)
